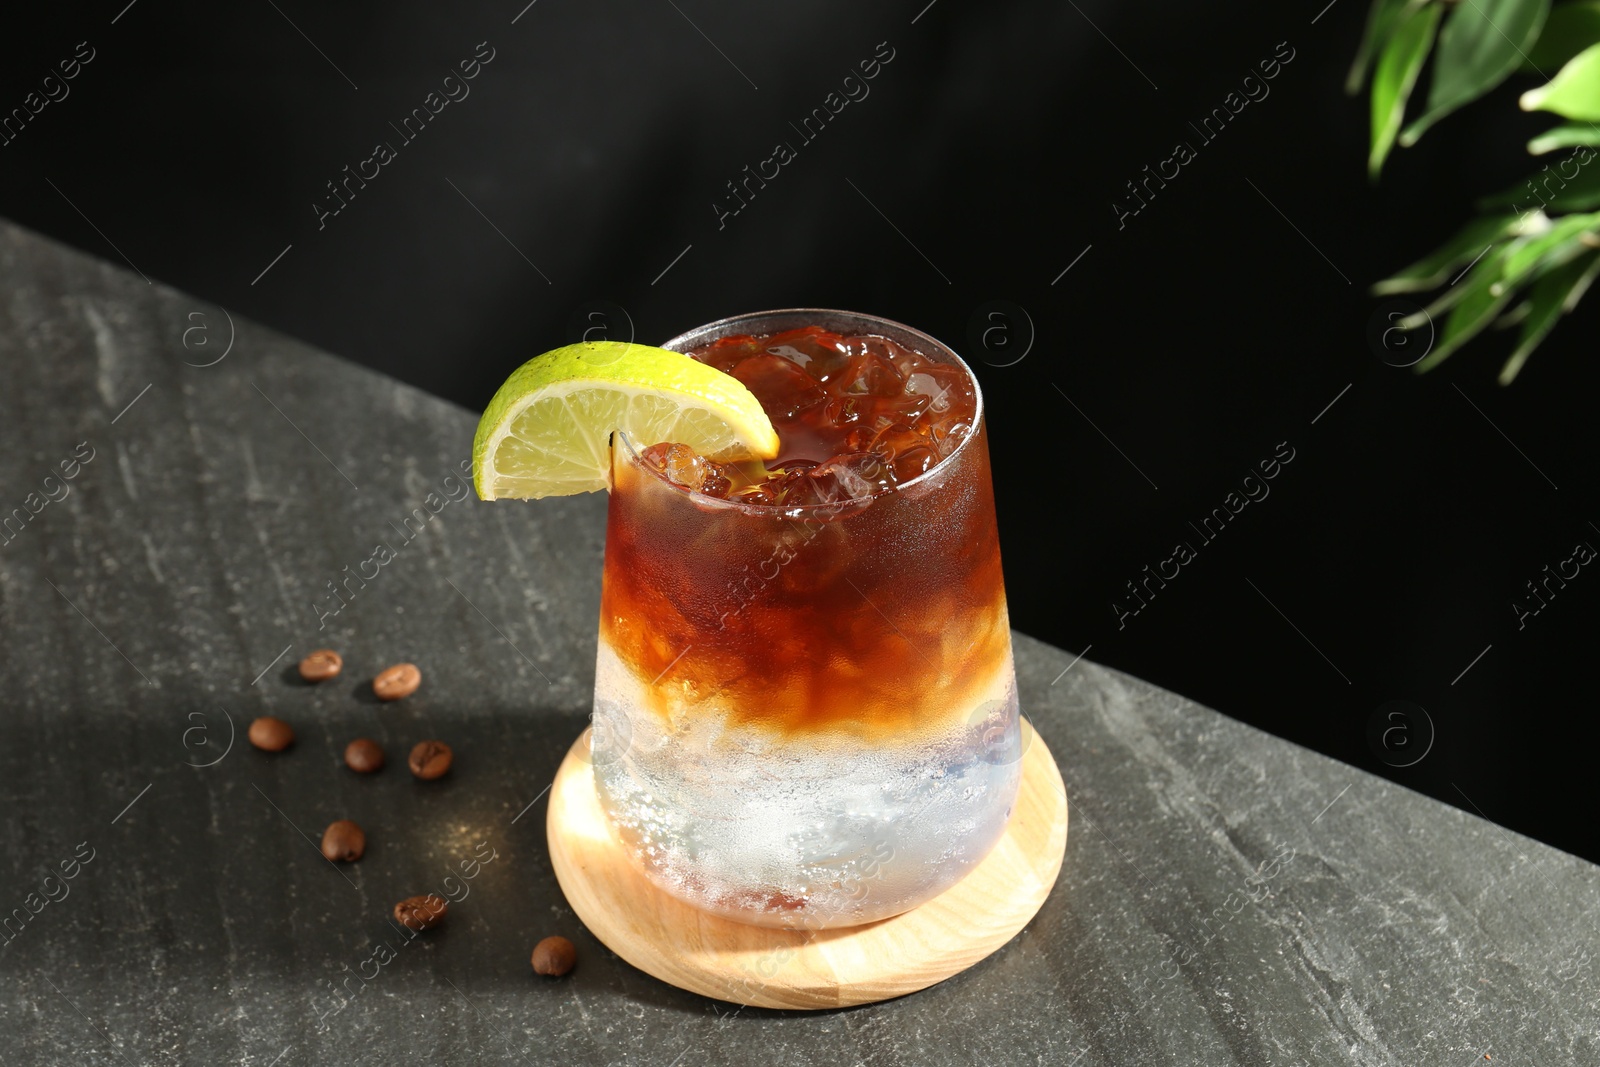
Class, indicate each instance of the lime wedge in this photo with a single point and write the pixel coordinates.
(547, 432)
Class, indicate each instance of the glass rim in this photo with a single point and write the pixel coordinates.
(852, 321)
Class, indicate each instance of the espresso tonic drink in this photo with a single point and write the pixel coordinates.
(805, 711)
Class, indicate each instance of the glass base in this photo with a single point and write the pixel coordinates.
(809, 832)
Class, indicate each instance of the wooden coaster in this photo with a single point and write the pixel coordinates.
(771, 968)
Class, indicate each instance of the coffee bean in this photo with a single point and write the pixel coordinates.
(321, 665)
(363, 755)
(421, 913)
(398, 681)
(554, 956)
(430, 759)
(343, 841)
(271, 735)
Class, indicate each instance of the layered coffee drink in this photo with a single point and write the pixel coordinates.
(805, 710)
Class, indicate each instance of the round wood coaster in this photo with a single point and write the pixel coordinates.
(771, 968)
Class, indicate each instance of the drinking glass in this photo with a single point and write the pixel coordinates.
(807, 716)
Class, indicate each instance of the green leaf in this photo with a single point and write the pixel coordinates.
(1513, 317)
(1495, 280)
(1558, 245)
(1436, 268)
(1572, 184)
(1392, 82)
(1569, 30)
(1382, 19)
(1485, 272)
(1472, 307)
(1552, 296)
(1574, 92)
(1564, 136)
(1481, 44)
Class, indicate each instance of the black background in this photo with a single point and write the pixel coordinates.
(1218, 322)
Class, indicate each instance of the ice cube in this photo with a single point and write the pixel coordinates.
(682, 465)
(785, 391)
(791, 353)
(872, 374)
(854, 476)
(912, 462)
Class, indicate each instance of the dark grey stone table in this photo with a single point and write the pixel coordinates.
(1227, 898)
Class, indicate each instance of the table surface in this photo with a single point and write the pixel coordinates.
(1227, 897)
